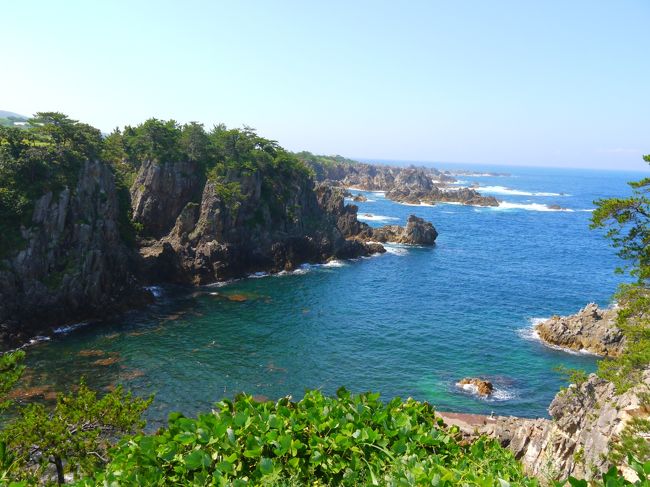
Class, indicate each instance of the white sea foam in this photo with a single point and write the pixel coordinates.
(221, 283)
(303, 269)
(507, 205)
(396, 249)
(334, 263)
(498, 394)
(155, 290)
(38, 339)
(417, 204)
(375, 218)
(515, 192)
(258, 275)
(378, 193)
(63, 330)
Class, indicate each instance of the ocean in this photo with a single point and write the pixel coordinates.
(411, 322)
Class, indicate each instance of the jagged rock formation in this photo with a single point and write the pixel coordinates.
(268, 225)
(412, 185)
(588, 419)
(74, 263)
(416, 232)
(591, 329)
(161, 191)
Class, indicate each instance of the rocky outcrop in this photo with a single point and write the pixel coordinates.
(416, 232)
(588, 421)
(410, 185)
(464, 196)
(73, 264)
(161, 191)
(591, 329)
(359, 198)
(252, 221)
(477, 386)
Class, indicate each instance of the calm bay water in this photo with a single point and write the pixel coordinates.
(407, 323)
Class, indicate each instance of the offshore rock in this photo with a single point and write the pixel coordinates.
(410, 185)
(476, 385)
(591, 329)
(416, 232)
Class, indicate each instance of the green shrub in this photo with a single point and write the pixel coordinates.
(319, 440)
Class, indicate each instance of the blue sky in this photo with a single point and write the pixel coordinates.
(504, 82)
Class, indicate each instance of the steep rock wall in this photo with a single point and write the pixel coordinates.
(73, 264)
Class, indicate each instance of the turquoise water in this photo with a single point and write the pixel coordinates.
(407, 323)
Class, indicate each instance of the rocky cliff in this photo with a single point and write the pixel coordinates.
(249, 221)
(73, 263)
(591, 329)
(588, 422)
(156, 203)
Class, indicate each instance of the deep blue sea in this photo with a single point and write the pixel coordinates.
(410, 322)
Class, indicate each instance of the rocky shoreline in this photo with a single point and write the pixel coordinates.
(592, 330)
(587, 420)
(76, 265)
(409, 185)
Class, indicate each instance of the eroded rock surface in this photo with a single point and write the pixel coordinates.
(476, 385)
(416, 232)
(587, 420)
(591, 329)
(74, 263)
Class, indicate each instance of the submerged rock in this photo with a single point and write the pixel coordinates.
(591, 329)
(360, 198)
(478, 386)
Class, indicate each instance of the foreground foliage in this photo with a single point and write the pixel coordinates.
(343, 440)
(74, 436)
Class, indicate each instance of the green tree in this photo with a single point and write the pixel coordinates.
(627, 221)
(628, 224)
(74, 436)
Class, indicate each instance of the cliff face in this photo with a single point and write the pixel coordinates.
(588, 420)
(161, 191)
(73, 264)
(246, 222)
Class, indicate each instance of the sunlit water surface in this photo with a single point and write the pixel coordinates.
(408, 323)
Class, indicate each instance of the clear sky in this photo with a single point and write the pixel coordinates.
(558, 83)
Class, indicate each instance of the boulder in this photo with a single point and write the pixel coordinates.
(478, 386)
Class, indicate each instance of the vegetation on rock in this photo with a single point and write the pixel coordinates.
(47, 156)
